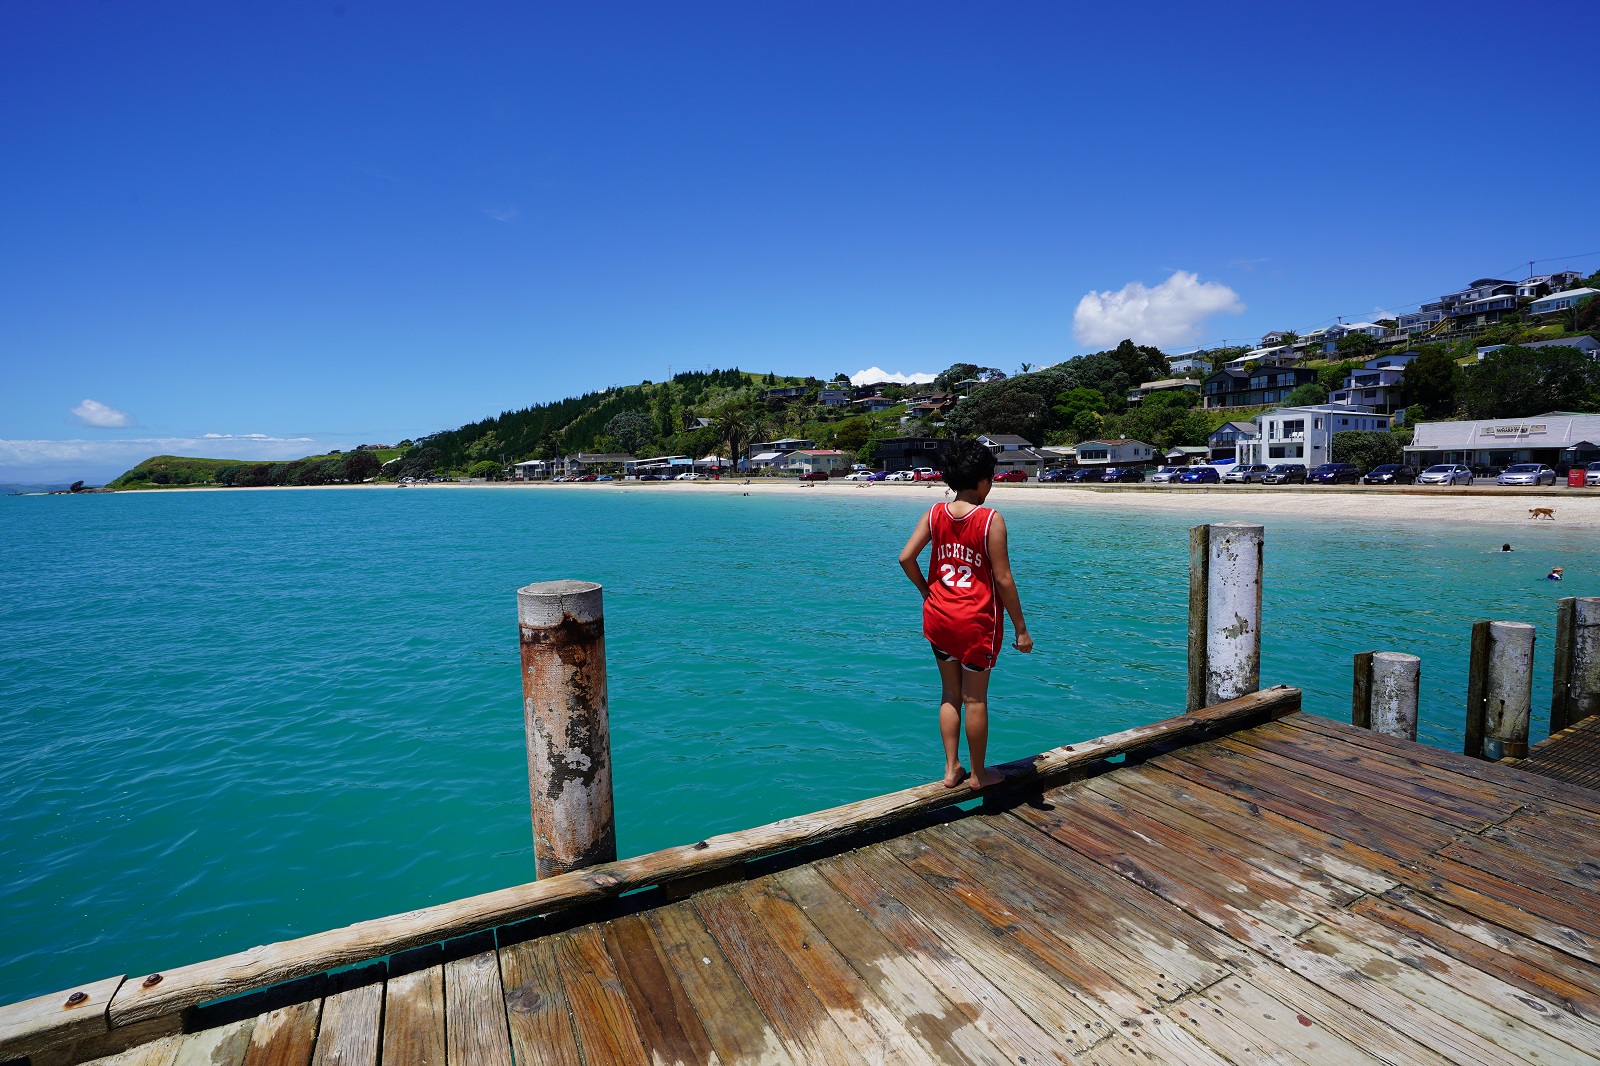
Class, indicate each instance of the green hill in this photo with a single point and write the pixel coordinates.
(168, 471)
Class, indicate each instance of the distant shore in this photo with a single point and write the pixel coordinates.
(1477, 506)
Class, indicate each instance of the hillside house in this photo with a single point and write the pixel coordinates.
(818, 460)
(1587, 345)
(833, 397)
(785, 392)
(1187, 364)
(1118, 452)
(1164, 385)
(1485, 301)
(1545, 284)
(1560, 301)
(874, 405)
(1012, 452)
(1303, 435)
(1267, 385)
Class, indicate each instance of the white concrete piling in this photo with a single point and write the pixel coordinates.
(566, 717)
(1396, 683)
(1225, 566)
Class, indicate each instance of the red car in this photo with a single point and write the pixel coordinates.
(814, 475)
(924, 474)
(1012, 475)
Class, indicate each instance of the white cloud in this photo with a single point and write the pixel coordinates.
(98, 461)
(102, 416)
(1173, 312)
(503, 214)
(874, 374)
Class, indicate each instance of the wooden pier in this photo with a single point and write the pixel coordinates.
(1249, 884)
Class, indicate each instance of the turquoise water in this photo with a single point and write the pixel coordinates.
(229, 718)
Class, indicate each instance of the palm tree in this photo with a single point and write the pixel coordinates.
(733, 427)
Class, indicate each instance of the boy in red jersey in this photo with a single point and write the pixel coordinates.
(968, 582)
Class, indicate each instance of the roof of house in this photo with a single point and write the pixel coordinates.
(1118, 440)
(767, 457)
(1006, 438)
(1171, 383)
(1555, 429)
(1568, 294)
(819, 451)
(1582, 343)
(1240, 427)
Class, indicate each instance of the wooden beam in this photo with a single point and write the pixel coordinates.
(1361, 692)
(270, 964)
(1477, 686)
(1561, 678)
(76, 1014)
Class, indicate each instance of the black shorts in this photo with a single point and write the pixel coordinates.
(946, 657)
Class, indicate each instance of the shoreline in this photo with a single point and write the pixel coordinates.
(1574, 508)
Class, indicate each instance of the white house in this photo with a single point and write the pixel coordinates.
(1187, 364)
(1588, 345)
(818, 460)
(1164, 385)
(1376, 388)
(1304, 435)
(1558, 438)
(1274, 355)
(1118, 452)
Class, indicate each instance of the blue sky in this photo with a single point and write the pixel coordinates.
(299, 226)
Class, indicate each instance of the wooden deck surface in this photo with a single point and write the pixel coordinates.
(1299, 892)
(1572, 755)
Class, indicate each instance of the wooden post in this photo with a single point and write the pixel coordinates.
(1395, 687)
(1361, 691)
(1499, 690)
(1576, 686)
(566, 718)
(1225, 563)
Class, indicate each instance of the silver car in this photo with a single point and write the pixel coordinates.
(1526, 474)
(1245, 473)
(1168, 474)
(1445, 474)
(1591, 474)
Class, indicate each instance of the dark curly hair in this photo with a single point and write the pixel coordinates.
(967, 463)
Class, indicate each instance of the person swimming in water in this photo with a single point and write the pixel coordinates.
(1505, 547)
(1554, 574)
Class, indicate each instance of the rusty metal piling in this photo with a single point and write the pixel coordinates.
(566, 718)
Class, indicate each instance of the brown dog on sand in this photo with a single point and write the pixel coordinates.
(1542, 512)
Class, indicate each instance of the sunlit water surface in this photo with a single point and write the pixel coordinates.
(228, 718)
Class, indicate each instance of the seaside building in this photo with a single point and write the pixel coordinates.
(906, 453)
(763, 454)
(1587, 345)
(1265, 385)
(1376, 385)
(1164, 385)
(817, 460)
(660, 465)
(1223, 442)
(1303, 435)
(1559, 439)
(1117, 452)
(1012, 452)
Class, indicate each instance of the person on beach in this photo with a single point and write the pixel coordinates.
(968, 582)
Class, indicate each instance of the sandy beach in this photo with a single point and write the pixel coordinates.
(1506, 508)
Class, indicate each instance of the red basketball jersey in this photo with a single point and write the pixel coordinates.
(961, 616)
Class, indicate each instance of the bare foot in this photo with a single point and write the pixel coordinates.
(954, 777)
(983, 777)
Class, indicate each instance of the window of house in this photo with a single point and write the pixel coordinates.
(1297, 425)
(1317, 423)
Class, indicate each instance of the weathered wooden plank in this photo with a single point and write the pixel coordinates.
(734, 1024)
(107, 1044)
(270, 964)
(1143, 953)
(1247, 849)
(224, 1045)
(1015, 1035)
(1537, 968)
(1237, 1005)
(1509, 779)
(1420, 1024)
(285, 1037)
(536, 1006)
(162, 1051)
(413, 1019)
(1528, 868)
(1258, 958)
(600, 1014)
(1016, 974)
(785, 999)
(913, 1000)
(76, 1014)
(869, 1024)
(350, 1032)
(1517, 1039)
(1470, 802)
(475, 1027)
(668, 1026)
(1157, 1041)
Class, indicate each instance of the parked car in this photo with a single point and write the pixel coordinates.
(1201, 475)
(1591, 474)
(1334, 474)
(900, 475)
(1445, 474)
(926, 473)
(1012, 475)
(1526, 474)
(587, 477)
(1084, 473)
(814, 475)
(859, 475)
(692, 475)
(1391, 474)
(605, 477)
(1166, 475)
(1123, 473)
(1285, 474)
(1244, 473)
(879, 475)
(1060, 473)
